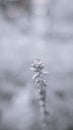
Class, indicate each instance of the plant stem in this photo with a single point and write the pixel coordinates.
(40, 83)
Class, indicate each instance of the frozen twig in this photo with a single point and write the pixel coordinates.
(40, 83)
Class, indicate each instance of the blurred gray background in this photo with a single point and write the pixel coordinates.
(29, 30)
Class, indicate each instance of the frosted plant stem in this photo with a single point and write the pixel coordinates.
(40, 83)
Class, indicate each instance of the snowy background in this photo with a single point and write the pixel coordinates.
(25, 36)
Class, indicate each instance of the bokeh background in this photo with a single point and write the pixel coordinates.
(30, 30)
